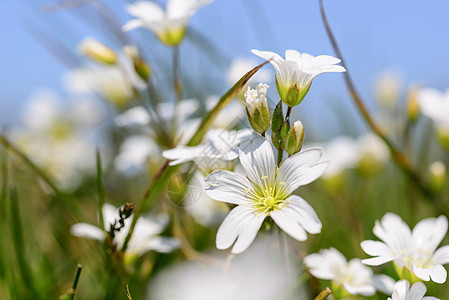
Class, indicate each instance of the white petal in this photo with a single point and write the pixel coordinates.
(146, 10)
(132, 24)
(441, 256)
(228, 187)
(183, 154)
(110, 214)
(257, 158)
(242, 223)
(134, 116)
(383, 283)
(437, 273)
(429, 233)
(400, 290)
(375, 261)
(301, 168)
(300, 212)
(288, 224)
(394, 232)
(327, 264)
(160, 244)
(364, 289)
(376, 248)
(417, 291)
(87, 231)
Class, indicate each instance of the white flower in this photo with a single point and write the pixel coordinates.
(60, 138)
(388, 88)
(414, 250)
(169, 25)
(134, 153)
(294, 75)
(144, 237)
(435, 105)
(403, 291)
(265, 191)
(353, 276)
(220, 146)
(342, 154)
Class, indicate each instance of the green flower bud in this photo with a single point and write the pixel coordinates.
(295, 138)
(443, 137)
(140, 66)
(276, 125)
(437, 173)
(412, 107)
(292, 95)
(93, 49)
(257, 108)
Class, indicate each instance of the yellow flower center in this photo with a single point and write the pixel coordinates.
(268, 196)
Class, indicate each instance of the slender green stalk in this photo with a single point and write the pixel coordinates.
(323, 295)
(177, 84)
(398, 156)
(165, 172)
(19, 245)
(100, 188)
(70, 294)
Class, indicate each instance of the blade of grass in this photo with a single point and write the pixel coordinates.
(398, 156)
(164, 174)
(70, 294)
(100, 188)
(19, 246)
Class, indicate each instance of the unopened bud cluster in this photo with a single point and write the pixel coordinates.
(257, 108)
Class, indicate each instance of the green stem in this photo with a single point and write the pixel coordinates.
(100, 188)
(323, 295)
(177, 84)
(398, 156)
(75, 282)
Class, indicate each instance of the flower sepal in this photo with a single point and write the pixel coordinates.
(295, 138)
(404, 273)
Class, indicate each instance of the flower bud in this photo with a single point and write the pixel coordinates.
(140, 66)
(295, 138)
(276, 126)
(437, 172)
(97, 51)
(292, 95)
(257, 108)
(412, 106)
(443, 137)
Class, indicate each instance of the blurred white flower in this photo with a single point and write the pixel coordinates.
(353, 276)
(259, 273)
(240, 66)
(169, 25)
(294, 75)
(265, 191)
(108, 82)
(412, 251)
(145, 236)
(61, 138)
(220, 147)
(342, 153)
(388, 89)
(134, 154)
(403, 291)
(435, 105)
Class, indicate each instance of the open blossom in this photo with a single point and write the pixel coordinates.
(403, 291)
(348, 278)
(266, 190)
(144, 237)
(294, 75)
(220, 147)
(414, 250)
(169, 25)
(435, 105)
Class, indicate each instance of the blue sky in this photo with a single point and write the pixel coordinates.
(408, 36)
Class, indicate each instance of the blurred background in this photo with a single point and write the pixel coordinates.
(56, 113)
